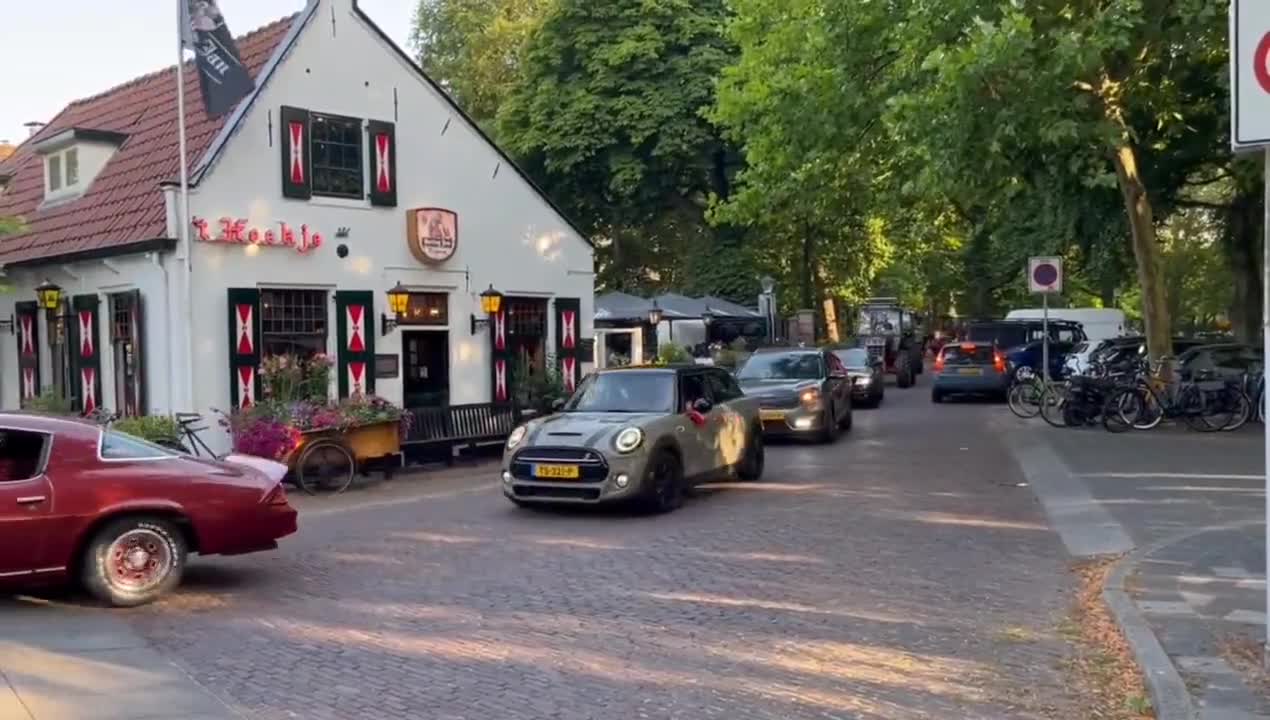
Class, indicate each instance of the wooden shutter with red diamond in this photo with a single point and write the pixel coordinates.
(383, 163)
(244, 346)
(27, 320)
(568, 334)
(297, 166)
(500, 358)
(86, 352)
(355, 338)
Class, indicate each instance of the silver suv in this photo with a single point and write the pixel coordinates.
(640, 434)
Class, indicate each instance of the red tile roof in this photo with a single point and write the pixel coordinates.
(124, 204)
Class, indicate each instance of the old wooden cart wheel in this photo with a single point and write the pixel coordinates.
(325, 465)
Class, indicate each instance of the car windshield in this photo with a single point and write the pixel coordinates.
(877, 321)
(854, 358)
(625, 392)
(774, 366)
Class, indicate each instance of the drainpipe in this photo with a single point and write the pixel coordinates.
(169, 203)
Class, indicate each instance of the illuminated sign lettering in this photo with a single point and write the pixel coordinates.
(235, 231)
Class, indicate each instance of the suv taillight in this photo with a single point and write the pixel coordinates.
(998, 362)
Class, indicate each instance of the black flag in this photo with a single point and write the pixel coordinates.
(221, 73)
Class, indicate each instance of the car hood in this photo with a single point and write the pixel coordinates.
(759, 388)
(584, 429)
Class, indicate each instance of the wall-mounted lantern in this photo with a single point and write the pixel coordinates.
(491, 304)
(398, 301)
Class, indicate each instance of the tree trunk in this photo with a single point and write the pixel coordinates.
(1146, 251)
(1242, 248)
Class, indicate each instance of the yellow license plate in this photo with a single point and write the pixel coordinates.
(559, 472)
(970, 371)
(771, 415)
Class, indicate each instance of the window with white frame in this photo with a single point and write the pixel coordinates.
(61, 170)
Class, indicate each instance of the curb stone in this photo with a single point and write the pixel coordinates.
(1169, 694)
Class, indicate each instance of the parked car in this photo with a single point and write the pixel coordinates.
(868, 376)
(636, 434)
(1021, 342)
(971, 368)
(1227, 360)
(1116, 351)
(801, 392)
(120, 514)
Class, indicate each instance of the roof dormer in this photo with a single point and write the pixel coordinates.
(72, 159)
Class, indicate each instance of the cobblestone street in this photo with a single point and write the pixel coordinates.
(898, 574)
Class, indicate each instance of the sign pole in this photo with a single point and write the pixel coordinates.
(1045, 341)
(1265, 340)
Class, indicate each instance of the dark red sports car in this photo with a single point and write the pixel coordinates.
(78, 501)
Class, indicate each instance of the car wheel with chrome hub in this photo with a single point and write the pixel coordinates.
(133, 561)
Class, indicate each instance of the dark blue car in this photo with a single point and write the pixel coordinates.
(1020, 342)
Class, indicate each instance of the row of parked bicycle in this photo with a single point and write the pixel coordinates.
(1123, 391)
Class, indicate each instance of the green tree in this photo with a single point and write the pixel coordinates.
(607, 113)
(473, 48)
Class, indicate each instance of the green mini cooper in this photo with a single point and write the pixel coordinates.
(641, 435)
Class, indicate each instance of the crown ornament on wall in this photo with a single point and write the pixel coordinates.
(342, 232)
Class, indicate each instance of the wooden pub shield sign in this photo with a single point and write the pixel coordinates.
(433, 234)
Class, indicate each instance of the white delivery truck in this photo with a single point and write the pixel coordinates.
(1099, 324)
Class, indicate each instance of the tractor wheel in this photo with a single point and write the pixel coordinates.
(903, 371)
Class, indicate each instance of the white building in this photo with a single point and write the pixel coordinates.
(346, 172)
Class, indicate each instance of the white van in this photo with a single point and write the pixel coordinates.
(1099, 323)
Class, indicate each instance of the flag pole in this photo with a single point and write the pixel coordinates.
(183, 233)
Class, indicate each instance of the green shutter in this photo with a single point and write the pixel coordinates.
(568, 337)
(500, 358)
(85, 352)
(355, 342)
(244, 346)
(27, 319)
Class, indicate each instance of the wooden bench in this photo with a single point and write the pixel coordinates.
(459, 426)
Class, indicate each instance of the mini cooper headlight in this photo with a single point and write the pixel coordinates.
(517, 435)
(628, 439)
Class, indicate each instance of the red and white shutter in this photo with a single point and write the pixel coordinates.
(26, 318)
(383, 163)
(86, 357)
(500, 358)
(244, 346)
(568, 331)
(355, 352)
(297, 166)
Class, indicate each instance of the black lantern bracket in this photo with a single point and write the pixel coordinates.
(398, 301)
(491, 303)
(9, 325)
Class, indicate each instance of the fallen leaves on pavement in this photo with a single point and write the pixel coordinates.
(1245, 655)
(1102, 669)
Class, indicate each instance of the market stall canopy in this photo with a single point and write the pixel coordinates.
(727, 308)
(619, 306)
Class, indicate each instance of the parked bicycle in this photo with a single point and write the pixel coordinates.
(1205, 404)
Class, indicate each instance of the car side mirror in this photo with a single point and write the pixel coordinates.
(558, 404)
(702, 406)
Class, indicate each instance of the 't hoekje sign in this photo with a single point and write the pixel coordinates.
(1250, 74)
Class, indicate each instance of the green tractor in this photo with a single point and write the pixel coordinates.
(889, 333)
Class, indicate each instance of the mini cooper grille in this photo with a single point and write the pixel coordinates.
(592, 467)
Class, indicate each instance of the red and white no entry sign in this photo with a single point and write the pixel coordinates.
(1261, 63)
(1045, 274)
(1250, 74)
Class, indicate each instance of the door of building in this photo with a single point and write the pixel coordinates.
(425, 368)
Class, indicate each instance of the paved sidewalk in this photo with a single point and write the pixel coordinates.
(70, 663)
(1200, 594)
(1191, 506)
